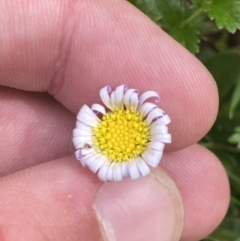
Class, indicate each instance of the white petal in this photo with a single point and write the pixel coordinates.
(113, 100)
(158, 130)
(98, 109)
(134, 101)
(87, 159)
(102, 173)
(87, 116)
(125, 170)
(156, 145)
(90, 160)
(164, 120)
(165, 138)
(83, 152)
(110, 172)
(133, 169)
(104, 94)
(146, 108)
(147, 95)
(85, 139)
(119, 94)
(152, 157)
(80, 125)
(117, 173)
(127, 97)
(142, 167)
(86, 151)
(78, 155)
(81, 132)
(96, 165)
(82, 141)
(153, 115)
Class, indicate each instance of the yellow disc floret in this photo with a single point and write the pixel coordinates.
(121, 135)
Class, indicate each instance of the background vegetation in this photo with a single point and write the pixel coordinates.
(210, 30)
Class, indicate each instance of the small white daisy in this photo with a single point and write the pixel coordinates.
(120, 143)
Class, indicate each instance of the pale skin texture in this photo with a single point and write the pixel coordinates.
(71, 49)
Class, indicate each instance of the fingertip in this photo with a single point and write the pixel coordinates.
(204, 186)
(149, 208)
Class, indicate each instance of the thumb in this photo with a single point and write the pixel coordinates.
(147, 209)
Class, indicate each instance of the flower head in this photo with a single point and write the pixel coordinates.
(125, 140)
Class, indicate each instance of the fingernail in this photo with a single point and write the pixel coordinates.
(149, 208)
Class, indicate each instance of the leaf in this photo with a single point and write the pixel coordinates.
(187, 36)
(225, 12)
(225, 69)
(237, 129)
(235, 99)
(173, 13)
(149, 7)
(234, 138)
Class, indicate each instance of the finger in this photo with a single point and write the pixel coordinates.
(55, 199)
(85, 45)
(204, 187)
(34, 128)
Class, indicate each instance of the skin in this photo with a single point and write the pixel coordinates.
(71, 49)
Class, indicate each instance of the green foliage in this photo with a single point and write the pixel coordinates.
(179, 17)
(225, 12)
(235, 98)
(149, 7)
(173, 13)
(228, 76)
(224, 137)
(235, 138)
(190, 23)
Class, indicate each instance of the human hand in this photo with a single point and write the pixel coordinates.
(71, 49)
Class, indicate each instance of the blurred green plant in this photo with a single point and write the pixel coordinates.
(235, 138)
(210, 29)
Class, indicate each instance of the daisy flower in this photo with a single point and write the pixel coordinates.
(124, 140)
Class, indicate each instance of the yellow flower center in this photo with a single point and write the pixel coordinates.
(121, 135)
